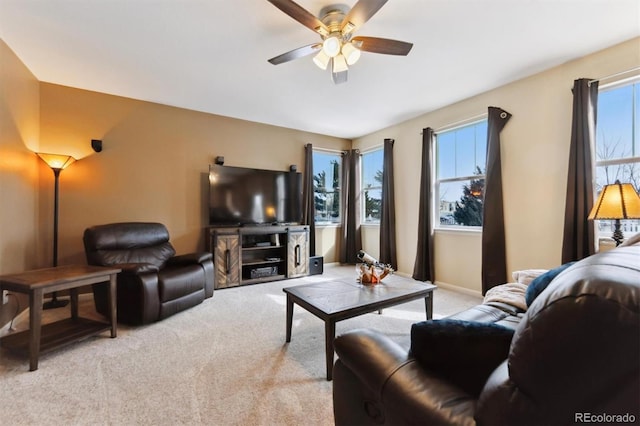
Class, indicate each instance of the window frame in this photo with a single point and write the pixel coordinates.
(437, 224)
(604, 228)
(363, 189)
(339, 156)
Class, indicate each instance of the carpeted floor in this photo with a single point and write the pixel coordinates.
(224, 362)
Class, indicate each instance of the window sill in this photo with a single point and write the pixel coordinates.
(328, 225)
(459, 229)
(370, 224)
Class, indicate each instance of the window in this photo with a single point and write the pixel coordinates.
(461, 157)
(618, 145)
(372, 165)
(327, 168)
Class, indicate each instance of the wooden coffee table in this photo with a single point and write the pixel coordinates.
(39, 339)
(334, 301)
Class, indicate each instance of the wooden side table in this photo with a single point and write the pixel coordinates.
(44, 338)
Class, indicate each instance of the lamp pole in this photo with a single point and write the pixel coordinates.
(57, 163)
(56, 203)
(55, 302)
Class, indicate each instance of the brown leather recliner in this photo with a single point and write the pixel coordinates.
(154, 283)
(573, 358)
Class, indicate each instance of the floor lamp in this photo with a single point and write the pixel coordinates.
(617, 201)
(57, 162)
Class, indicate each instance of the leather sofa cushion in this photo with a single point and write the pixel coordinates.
(578, 343)
(540, 283)
(129, 242)
(463, 352)
(156, 255)
(127, 235)
(481, 313)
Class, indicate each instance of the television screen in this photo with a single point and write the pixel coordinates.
(245, 196)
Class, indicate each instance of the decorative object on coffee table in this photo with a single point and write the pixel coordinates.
(57, 162)
(617, 201)
(370, 271)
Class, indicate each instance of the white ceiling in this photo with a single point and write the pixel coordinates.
(211, 55)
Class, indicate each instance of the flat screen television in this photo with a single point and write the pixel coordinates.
(246, 196)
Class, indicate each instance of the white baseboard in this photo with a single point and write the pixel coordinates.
(448, 286)
(459, 289)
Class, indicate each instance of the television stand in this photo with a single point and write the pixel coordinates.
(253, 254)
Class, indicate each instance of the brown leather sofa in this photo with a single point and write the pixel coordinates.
(573, 358)
(154, 283)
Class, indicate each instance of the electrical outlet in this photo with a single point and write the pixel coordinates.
(5, 296)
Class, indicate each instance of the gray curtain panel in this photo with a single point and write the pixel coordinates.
(351, 236)
(388, 213)
(494, 256)
(423, 269)
(578, 238)
(308, 205)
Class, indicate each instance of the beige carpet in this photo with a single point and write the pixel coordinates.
(224, 362)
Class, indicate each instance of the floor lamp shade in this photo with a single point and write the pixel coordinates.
(57, 162)
(617, 201)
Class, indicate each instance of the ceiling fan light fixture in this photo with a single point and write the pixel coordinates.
(339, 64)
(322, 31)
(331, 46)
(321, 60)
(348, 28)
(351, 53)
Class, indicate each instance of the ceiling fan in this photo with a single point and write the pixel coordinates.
(336, 25)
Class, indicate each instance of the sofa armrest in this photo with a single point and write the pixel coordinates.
(138, 295)
(190, 258)
(371, 356)
(377, 381)
(138, 268)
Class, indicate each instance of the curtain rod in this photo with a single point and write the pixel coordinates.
(332, 151)
(371, 148)
(460, 123)
(606, 77)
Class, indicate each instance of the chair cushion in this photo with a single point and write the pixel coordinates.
(128, 242)
(463, 352)
(156, 256)
(127, 235)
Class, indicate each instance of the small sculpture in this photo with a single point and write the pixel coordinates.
(370, 271)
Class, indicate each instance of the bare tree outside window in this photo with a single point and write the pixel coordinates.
(618, 145)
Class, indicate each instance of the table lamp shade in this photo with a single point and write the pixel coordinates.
(617, 201)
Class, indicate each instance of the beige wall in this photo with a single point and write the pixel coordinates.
(154, 163)
(328, 242)
(155, 160)
(19, 134)
(535, 150)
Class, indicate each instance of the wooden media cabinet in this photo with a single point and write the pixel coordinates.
(253, 254)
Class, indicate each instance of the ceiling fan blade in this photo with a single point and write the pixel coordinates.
(383, 45)
(300, 52)
(339, 77)
(360, 13)
(301, 15)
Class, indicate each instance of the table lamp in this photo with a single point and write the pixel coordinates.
(616, 201)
